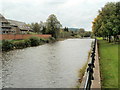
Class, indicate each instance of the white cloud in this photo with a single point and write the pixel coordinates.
(71, 13)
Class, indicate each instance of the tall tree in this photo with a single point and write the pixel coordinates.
(35, 27)
(66, 29)
(53, 26)
(81, 31)
(107, 23)
(42, 27)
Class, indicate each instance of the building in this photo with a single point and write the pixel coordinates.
(13, 27)
(4, 25)
(19, 27)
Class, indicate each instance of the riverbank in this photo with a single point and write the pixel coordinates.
(8, 45)
(108, 64)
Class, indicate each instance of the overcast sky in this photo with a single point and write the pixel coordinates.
(71, 13)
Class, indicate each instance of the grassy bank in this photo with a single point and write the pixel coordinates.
(19, 44)
(108, 64)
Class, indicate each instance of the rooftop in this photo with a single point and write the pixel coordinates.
(21, 25)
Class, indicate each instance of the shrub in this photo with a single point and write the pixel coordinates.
(35, 41)
(77, 36)
(43, 40)
(47, 40)
(7, 45)
(33, 33)
(27, 42)
(52, 39)
(19, 44)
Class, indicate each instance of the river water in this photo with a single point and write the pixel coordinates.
(53, 65)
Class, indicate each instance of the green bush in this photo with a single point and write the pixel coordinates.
(19, 44)
(33, 33)
(35, 41)
(44, 40)
(27, 42)
(47, 40)
(52, 39)
(77, 36)
(7, 45)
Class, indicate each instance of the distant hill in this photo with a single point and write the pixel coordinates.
(73, 29)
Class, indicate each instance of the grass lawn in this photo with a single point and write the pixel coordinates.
(108, 64)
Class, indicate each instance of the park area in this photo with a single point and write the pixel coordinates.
(108, 53)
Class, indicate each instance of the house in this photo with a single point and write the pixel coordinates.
(13, 27)
(4, 25)
(20, 27)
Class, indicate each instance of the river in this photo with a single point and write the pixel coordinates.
(54, 65)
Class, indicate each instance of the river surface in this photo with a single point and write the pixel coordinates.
(53, 65)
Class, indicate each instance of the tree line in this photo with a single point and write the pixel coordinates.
(54, 27)
(84, 33)
(51, 26)
(107, 22)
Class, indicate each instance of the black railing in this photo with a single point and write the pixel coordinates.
(90, 71)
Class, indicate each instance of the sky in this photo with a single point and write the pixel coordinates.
(71, 13)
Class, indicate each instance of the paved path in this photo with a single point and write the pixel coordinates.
(96, 83)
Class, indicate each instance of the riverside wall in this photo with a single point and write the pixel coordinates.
(22, 36)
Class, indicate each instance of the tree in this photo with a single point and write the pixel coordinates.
(81, 32)
(44, 30)
(87, 34)
(107, 22)
(117, 21)
(42, 27)
(35, 27)
(53, 26)
(66, 29)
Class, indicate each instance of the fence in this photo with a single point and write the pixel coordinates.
(90, 71)
(22, 36)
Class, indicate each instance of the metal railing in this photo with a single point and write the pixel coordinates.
(89, 76)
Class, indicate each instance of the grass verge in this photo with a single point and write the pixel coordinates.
(108, 64)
